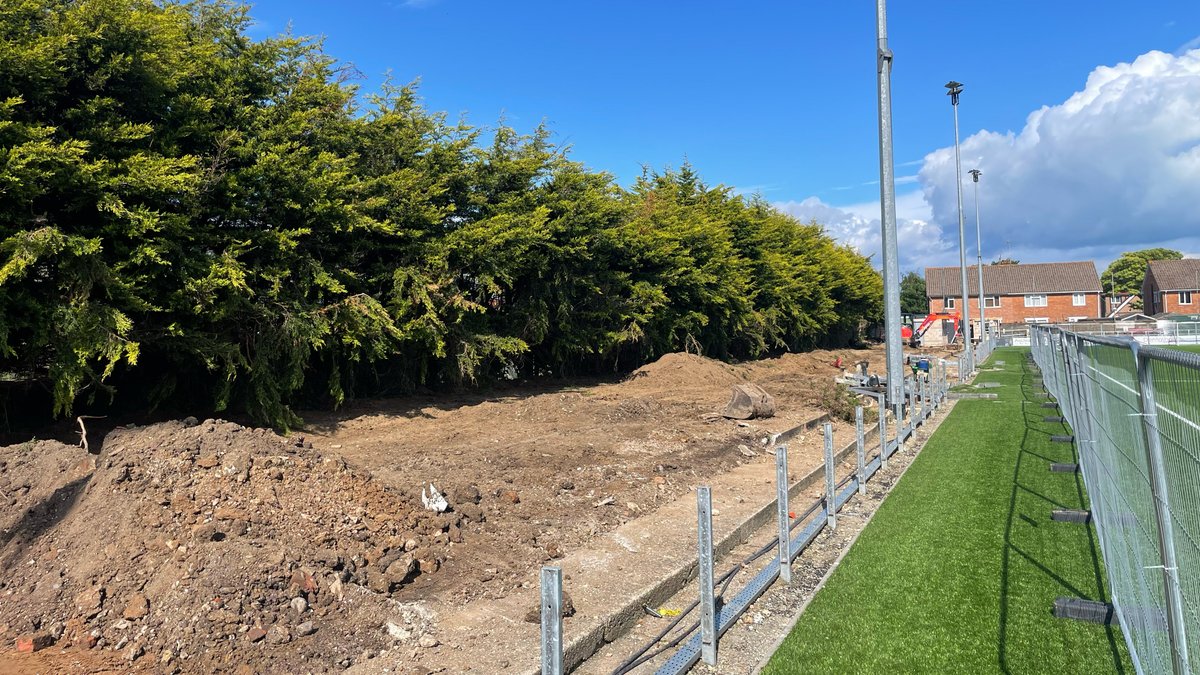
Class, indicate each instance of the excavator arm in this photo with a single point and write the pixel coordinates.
(919, 333)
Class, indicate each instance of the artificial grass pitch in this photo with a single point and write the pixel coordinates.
(959, 569)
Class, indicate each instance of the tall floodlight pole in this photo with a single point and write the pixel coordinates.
(887, 208)
(956, 89)
(975, 174)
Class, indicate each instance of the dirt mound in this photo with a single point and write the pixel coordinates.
(211, 547)
(682, 370)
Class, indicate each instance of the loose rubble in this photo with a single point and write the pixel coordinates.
(209, 547)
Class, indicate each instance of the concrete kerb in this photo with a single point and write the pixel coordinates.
(622, 619)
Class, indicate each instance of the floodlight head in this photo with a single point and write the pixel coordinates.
(975, 174)
(955, 88)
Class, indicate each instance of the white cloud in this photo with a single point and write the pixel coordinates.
(921, 242)
(1115, 167)
(1188, 46)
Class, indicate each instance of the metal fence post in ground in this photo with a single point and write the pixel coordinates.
(861, 448)
(923, 395)
(1162, 511)
(882, 398)
(830, 481)
(552, 644)
(708, 607)
(785, 521)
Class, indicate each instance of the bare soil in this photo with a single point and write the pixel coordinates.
(207, 546)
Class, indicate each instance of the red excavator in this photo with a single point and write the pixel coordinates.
(913, 335)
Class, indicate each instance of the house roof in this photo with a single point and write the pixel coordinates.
(1174, 275)
(1061, 277)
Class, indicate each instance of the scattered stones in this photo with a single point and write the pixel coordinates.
(510, 496)
(567, 485)
(278, 635)
(305, 629)
(135, 652)
(466, 494)
(256, 634)
(204, 532)
(138, 607)
(208, 462)
(33, 642)
(89, 601)
(428, 642)
(299, 605)
(397, 632)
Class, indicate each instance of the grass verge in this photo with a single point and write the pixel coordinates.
(959, 569)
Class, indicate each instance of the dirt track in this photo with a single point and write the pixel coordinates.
(258, 520)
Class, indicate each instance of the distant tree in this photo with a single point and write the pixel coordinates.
(1006, 261)
(913, 298)
(1125, 274)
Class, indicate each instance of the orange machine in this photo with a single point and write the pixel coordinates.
(913, 335)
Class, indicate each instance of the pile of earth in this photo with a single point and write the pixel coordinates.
(212, 547)
(679, 369)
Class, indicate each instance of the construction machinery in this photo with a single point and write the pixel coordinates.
(913, 336)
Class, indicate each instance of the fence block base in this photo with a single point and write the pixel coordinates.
(1050, 404)
(1071, 516)
(1063, 467)
(1068, 438)
(1084, 610)
(1053, 418)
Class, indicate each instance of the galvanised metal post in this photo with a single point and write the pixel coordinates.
(781, 501)
(552, 644)
(830, 481)
(887, 209)
(955, 88)
(882, 399)
(861, 447)
(975, 174)
(708, 607)
(1162, 511)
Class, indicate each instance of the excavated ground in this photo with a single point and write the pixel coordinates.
(194, 546)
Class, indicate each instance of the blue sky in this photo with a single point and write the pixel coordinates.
(779, 97)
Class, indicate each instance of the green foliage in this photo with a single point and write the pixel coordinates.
(836, 399)
(1006, 261)
(913, 298)
(187, 215)
(1125, 274)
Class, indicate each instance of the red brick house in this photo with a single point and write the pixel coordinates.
(1171, 287)
(1033, 293)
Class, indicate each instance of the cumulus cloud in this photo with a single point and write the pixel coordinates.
(921, 242)
(1115, 167)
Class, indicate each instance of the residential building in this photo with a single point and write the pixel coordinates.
(1171, 287)
(1031, 293)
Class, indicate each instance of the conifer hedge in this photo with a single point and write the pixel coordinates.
(188, 214)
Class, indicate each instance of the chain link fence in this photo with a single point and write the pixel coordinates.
(1134, 411)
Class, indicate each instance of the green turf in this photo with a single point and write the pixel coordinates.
(1186, 348)
(959, 569)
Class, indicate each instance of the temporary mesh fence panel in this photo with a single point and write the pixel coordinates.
(1135, 414)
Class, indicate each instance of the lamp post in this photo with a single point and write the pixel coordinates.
(887, 220)
(955, 88)
(975, 174)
